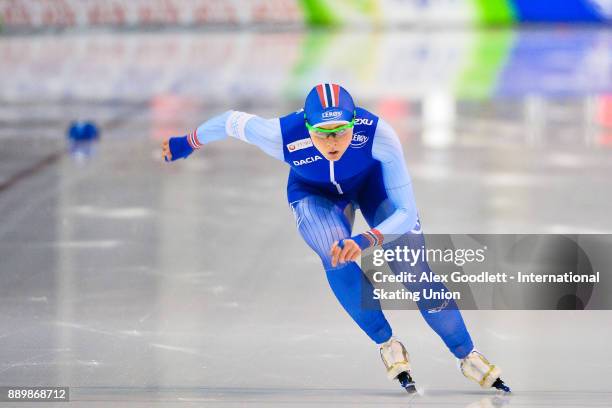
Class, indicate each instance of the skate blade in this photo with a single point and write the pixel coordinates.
(407, 382)
(411, 389)
(501, 386)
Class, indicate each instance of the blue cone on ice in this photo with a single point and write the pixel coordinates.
(83, 131)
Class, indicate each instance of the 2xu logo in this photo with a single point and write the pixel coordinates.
(308, 160)
(362, 121)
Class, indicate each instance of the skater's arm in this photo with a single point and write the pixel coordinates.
(264, 133)
(398, 184)
(388, 150)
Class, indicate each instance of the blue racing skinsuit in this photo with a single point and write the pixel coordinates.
(371, 175)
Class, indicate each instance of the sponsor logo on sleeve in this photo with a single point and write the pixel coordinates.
(308, 160)
(299, 145)
(359, 140)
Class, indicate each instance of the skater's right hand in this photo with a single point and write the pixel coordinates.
(176, 148)
(343, 252)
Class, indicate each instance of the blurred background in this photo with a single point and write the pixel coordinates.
(139, 282)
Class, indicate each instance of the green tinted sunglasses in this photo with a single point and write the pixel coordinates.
(324, 133)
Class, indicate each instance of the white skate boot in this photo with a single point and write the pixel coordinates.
(395, 358)
(477, 368)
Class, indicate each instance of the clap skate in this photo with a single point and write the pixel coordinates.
(477, 368)
(395, 358)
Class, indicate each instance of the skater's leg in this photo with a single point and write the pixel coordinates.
(321, 222)
(442, 316)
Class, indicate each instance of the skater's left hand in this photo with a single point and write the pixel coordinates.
(350, 251)
(176, 148)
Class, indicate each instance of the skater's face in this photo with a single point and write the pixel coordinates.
(332, 146)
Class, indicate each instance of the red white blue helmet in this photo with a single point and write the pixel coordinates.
(328, 103)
